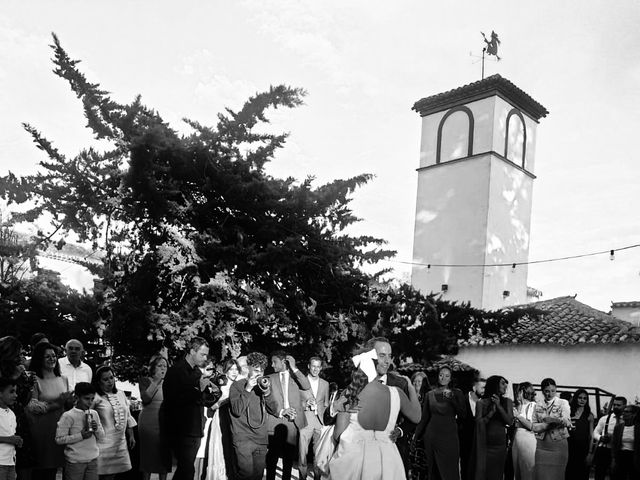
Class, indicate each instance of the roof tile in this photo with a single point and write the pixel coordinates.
(565, 321)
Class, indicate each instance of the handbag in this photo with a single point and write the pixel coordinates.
(324, 449)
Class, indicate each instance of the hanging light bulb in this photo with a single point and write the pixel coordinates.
(612, 255)
(513, 268)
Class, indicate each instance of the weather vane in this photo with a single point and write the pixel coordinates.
(491, 48)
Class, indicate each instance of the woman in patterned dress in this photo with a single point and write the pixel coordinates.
(113, 408)
(551, 418)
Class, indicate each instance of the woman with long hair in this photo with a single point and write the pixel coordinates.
(12, 365)
(113, 408)
(441, 409)
(524, 441)
(49, 399)
(579, 436)
(219, 464)
(551, 418)
(494, 412)
(367, 414)
(155, 456)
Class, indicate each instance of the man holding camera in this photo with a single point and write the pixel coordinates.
(287, 383)
(186, 392)
(251, 403)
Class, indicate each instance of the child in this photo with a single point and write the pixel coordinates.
(79, 429)
(8, 438)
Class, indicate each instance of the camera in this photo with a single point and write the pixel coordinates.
(219, 379)
(264, 383)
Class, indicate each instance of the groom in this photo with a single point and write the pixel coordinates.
(404, 428)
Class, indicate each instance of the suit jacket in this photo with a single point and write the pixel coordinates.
(297, 383)
(407, 427)
(182, 411)
(322, 400)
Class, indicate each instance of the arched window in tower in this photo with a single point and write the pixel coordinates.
(455, 135)
(515, 142)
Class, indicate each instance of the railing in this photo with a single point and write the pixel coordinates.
(594, 392)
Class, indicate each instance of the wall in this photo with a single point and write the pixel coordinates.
(612, 367)
(508, 226)
(450, 227)
(628, 314)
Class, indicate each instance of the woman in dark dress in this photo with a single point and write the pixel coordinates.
(494, 413)
(439, 428)
(579, 436)
(12, 366)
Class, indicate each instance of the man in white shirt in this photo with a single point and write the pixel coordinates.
(602, 436)
(287, 384)
(315, 401)
(72, 366)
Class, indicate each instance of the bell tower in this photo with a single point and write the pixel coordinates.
(475, 181)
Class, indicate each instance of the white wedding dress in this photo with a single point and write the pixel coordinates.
(368, 454)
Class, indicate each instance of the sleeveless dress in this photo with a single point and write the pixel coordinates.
(441, 436)
(368, 454)
(43, 427)
(155, 456)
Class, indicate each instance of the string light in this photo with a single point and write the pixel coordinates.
(514, 264)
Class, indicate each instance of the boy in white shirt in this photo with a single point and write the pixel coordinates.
(8, 438)
(80, 429)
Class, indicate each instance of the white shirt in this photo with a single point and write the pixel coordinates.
(473, 399)
(628, 436)
(314, 385)
(7, 429)
(600, 428)
(383, 379)
(74, 375)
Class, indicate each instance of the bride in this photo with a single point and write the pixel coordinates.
(367, 414)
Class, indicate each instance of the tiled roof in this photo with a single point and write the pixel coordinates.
(565, 322)
(493, 85)
(453, 363)
(625, 304)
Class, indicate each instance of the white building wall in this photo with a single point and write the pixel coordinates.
(508, 226)
(612, 367)
(450, 227)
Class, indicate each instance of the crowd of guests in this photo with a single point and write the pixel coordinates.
(233, 421)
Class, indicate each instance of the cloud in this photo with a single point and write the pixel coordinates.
(319, 39)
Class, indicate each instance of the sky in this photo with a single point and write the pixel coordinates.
(363, 65)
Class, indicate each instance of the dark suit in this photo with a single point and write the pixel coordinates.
(314, 421)
(393, 380)
(466, 434)
(283, 434)
(182, 415)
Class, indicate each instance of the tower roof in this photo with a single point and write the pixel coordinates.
(493, 85)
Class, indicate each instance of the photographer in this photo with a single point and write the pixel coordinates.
(251, 402)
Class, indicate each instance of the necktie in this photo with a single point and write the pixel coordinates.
(285, 388)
